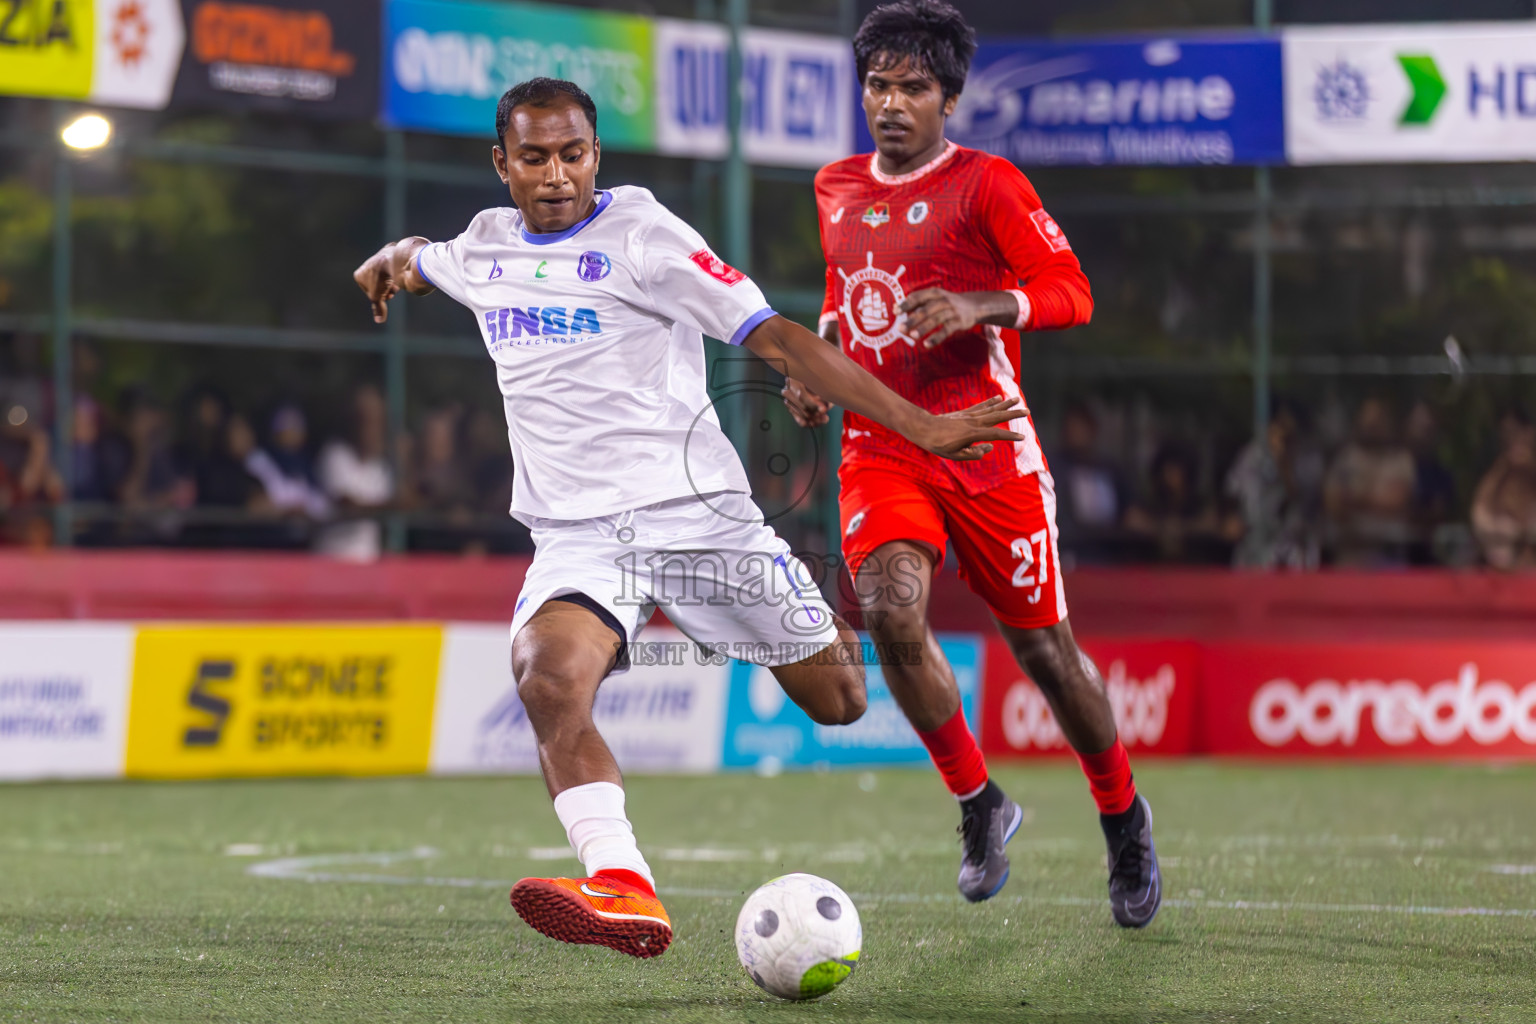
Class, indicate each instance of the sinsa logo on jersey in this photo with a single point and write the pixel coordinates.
(1328, 712)
(538, 325)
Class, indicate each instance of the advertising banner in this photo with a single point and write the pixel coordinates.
(63, 699)
(691, 101)
(1414, 700)
(282, 700)
(663, 715)
(311, 57)
(446, 64)
(120, 52)
(1440, 93)
(1186, 101)
(797, 98)
(764, 729)
(1152, 687)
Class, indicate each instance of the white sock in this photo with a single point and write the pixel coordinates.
(599, 831)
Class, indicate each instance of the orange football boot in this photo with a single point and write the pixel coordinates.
(598, 911)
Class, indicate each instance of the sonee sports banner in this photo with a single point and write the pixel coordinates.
(120, 52)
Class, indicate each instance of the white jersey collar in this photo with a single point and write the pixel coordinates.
(901, 179)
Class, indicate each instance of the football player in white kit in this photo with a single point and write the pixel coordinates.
(593, 305)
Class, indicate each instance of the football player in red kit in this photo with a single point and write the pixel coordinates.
(936, 254)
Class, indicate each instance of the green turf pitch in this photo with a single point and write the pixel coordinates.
(1373, 894)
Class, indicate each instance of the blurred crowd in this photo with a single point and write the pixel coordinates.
(1377, 495)
(1361, 487)
(211, 474)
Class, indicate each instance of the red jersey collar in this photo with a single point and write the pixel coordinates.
(901, 179)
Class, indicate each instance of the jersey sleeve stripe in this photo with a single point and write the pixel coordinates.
(422, 270)
(751, 322)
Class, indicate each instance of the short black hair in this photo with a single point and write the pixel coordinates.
(931, 33)
(541, 92)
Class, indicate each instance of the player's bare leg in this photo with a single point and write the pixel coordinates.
(559, 659)
(893, 585)
(828, 686)
(1075, 691)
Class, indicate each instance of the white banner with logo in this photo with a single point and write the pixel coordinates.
(690, 68)
(1442, 93)
(666, 714)
(64, 699)
(797, 94)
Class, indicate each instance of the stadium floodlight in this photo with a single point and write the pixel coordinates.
(88, 131)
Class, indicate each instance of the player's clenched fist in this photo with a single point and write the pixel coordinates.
(386, 272)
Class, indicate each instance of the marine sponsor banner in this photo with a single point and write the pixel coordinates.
(765, 730)
(663, 715)
(446, 64)
(1146, 101)
(63, 699)
(282, 700)
(797, 98)
(311, 57)
(1413, 700)
(1152, 686)
(119, 52)
(1442, 93)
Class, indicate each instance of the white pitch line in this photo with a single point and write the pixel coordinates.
(301, 869)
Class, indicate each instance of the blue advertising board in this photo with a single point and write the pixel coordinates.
(1215, 100)
(764, 729)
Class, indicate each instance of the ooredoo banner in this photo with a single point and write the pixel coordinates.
(1152, 687)
(312, 57)
(665, 714)
(1419, 700)
(64, 699)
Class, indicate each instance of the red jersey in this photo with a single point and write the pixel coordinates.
(967, 222)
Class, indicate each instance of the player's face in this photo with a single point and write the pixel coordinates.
(549, 164)
(906, 108)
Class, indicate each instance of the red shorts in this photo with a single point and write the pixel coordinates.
(1005, 538)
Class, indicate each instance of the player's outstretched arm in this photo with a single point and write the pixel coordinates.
(388, 271)
(962, 435)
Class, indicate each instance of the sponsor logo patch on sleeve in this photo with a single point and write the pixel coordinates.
(1050, 231)
(717, 268)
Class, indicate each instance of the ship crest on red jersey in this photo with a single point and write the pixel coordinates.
(871, 301)
(877, 214)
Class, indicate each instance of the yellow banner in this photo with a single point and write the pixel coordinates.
(46, 47)
(282, 700)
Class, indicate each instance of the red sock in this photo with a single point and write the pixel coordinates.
(1109, 777)
(633, 879)
(956, 755)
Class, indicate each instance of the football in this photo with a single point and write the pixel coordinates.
(799, 936)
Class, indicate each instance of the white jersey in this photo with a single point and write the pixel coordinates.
(596, 332)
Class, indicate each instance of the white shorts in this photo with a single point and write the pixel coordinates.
(709, 563)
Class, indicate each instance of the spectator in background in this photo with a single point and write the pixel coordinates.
(202, 441)
(1368, 493)
(1088, 490)
(1434, 489)
(284, 469)
(1504, 507)
(440, 478)
(1277, 484)
(97, 466)
(151, 480)
(1181, 526)
(357, 478)
(490, 462)
(28, 481)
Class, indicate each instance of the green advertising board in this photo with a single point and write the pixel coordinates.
(447, 63)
